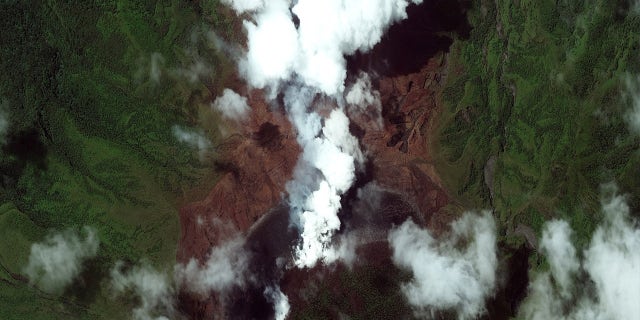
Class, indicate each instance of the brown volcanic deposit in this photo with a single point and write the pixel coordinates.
(408, 71)
(257, 161)
(260, 158)
(400, 152)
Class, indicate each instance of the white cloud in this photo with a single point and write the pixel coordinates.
(332, 28)
(319, 222)
(303, 62)
(453, 273)
(363, 99)
(280, 302)
(57, 261)
(556, 244)
(612, 262)
(336, 131)
(195, 71)
(225, 267)
(192, 138)
(273, 46)
(315, 51)
(633, 93)
(241, 6)
(155, 70)
(156, 295)
(344, 250)
(4, 120)
(232, 105)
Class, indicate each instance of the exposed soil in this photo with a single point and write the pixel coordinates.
(259, 159)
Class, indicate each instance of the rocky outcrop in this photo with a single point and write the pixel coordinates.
(399, 150)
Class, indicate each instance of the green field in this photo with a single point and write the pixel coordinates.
(539, 85)
(92, 90)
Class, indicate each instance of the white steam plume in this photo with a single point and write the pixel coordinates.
(446, 276)
(303, 62)
(57, 261)
(225, 268)
(232, 105)
(152, 287)
(611, 262)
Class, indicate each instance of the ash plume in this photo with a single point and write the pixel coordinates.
(58, 260)
(297, 50)
(607, 270)
(456, 273)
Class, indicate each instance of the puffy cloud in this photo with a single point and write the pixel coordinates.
(241, 6)
(344, 251)
(332, 28)
(280, 302)
(57, 261)
(225, 267)
(610, 262)
(633, 94)
(303, 61)
(362, 98)
(273, 46)
(192, 138)
(155, 70)
(457, 272)
(155, 292)
(361, 93)
(319, 223)
(195, 71)
(4, 120)
(556, 244)
(336, 131)
(232, 105)
(315, 50)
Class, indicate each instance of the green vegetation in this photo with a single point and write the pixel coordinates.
(538, 85)
(92, 90)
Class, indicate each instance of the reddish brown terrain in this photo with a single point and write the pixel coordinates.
(256, 161)
(400, 152)
(259, 159)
